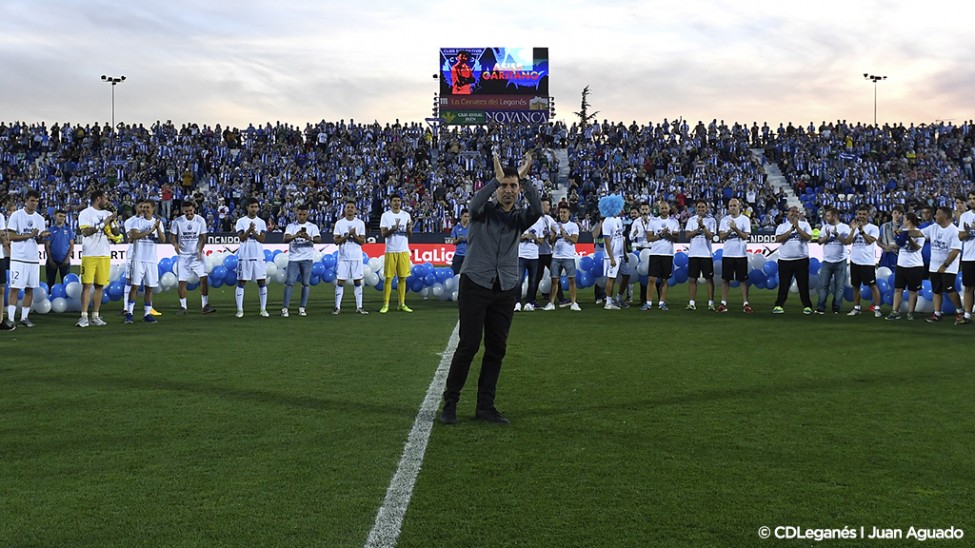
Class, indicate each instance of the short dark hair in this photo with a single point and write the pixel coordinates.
(899, 208)
(97, 194)
(189, 203)
(463, 211)
(511, 172)
(946, 210)
(252, 201)
(303, 207)
(32, 194)
(912, 217)
(863, 207)
(60, 212)
(562, 205)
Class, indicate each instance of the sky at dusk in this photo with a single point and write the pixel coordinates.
(256, 61)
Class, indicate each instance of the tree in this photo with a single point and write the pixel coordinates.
(584, 116)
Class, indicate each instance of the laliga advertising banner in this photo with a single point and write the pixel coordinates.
(437, 254)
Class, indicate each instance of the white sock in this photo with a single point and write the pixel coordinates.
(125, 297)
(357, 290)
(182, 302)
(130, 307)
(24, 312)
(240, 298)
(262, 293)
(148, 309)
(12, 311)
(339, 291)
(710, 303)
(204, 299)
(692, 303)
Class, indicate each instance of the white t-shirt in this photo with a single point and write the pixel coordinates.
(301, 249)
(700, 244)
(350, 250)
(396, 242)
(908, 258)
(563, 248)
(97, 244)
(143, 249)
(188, 233)
(734, 246)
(3, 226)
(528, 249)
(663, 246)
(548, 225)
(638, 233)
(251, 248)
(862, 253)
(795, 247)
(22, 222)
(968, 246)
(943, 240)
(835, 251)
(613, 229)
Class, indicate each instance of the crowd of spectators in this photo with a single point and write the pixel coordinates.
(327, 163)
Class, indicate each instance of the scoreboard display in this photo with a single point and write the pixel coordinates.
(500, 84)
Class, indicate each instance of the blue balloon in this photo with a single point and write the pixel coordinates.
(672, 281)
(275, 253)
(444, 274)
(218, 272)
(718, 254)
(379, 286)
(564, 282)
(734, 283)
(105, 297)
(192, 287)
(882, 286)
(585, 263)
(215, 282)
(329, 261)
(71, 278)
(415, 284)
(890, 280)
(165, 265)
(329, 275)
(866, 293)
(115, 291)
(680, 259)
(230, 278)
(315, 278)
(644, 280)
(948, 307)
(771, 268)
(771, 282)
(317, 269)
(365, 258)
(230, 262)
(57, 292)
(43, 285)
(848, 294)
(888, 297)
(268, 256)
(429, 279)
(757, 277)
(680, 275)
(814, 266)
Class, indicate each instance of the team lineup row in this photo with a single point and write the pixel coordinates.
(548, 246)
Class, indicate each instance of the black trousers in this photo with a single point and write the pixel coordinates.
(798, 269)
(53, 271)
(486, 312)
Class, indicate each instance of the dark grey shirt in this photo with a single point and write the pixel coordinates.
(492, 242)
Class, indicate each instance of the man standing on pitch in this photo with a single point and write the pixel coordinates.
(396, 226)
(25, 229)
(97, 225)
(489, 286)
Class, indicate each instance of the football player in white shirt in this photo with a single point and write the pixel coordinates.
(565, 235)
(638, 239)
(188, 234)
(396, 226)
(700, 229)
(832, 275)
(793, 235)
(966, 234)
(301, 238)
(5, 325)
(943, 269)
(734, 230)
(25, 229)
(910, 266)
(664, 231)
(143, 230)
(251, 231)
(863, 257)
(612, 232)
(350, 235)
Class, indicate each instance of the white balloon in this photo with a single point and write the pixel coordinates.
(454, 295)
(280, 276)
(366, 270)
(374, 264)
(59, 305)
(793, 288)
(544, 286)
(114, 272)
(883, 272)
(271, 269)
(450, 284)
(645, 256)
(281, 260)
(425, 292)
(192, 279)
(436, 290)
(924, 306)
(41, 307)
(372, 279)
(168, 281)
(316, 257)
(73, 290)
(756, 261)
(445, 295)
(40, 294)
(74, 305)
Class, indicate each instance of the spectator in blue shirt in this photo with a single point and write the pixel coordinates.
(459, 237)
(59, 247)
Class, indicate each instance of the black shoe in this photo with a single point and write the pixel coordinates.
(449, 413)
(7, 326)
(490, 414)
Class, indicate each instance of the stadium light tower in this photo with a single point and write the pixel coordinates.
(114, 80)
(874, 78)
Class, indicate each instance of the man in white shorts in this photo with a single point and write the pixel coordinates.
(25, 229)
(143, 230)
(251, 231)
(349, 235)
(188, 236)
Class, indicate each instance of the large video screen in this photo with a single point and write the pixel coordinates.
(493, 71)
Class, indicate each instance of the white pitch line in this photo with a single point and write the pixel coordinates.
(389, 520)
